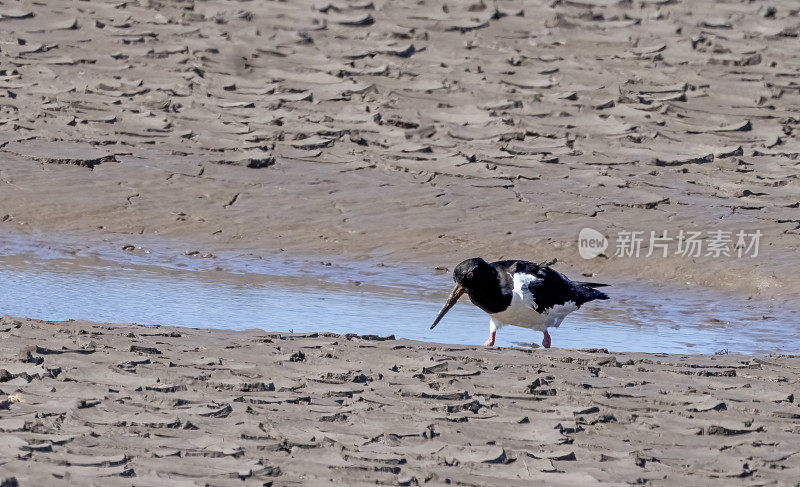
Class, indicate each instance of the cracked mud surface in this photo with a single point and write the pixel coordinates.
(407, 131)
(84, 402)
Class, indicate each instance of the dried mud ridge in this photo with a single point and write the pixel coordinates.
(88, 403)
(403, 126)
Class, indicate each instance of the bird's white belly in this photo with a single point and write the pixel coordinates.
(522, 312)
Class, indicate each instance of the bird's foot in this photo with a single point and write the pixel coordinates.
(546, 341)
(490, 340)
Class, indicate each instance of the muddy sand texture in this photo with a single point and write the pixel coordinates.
(120, 404)
(408, 131)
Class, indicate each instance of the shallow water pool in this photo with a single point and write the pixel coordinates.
(635, 319)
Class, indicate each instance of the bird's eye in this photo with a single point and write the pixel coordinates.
(469, 275)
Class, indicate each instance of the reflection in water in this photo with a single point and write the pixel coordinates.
(634, 320)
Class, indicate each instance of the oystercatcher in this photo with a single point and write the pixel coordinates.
(520, 293)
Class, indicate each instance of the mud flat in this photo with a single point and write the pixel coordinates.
(408, 131)
(118, 404)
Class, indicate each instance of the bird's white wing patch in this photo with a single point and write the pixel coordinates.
(522, 310)
(521, 282)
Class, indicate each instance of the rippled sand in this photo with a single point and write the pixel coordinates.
(125, 404)
(407, 130)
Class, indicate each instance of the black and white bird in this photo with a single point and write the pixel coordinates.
(520, 293)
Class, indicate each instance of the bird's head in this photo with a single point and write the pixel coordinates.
(470, 272)
(465, 275)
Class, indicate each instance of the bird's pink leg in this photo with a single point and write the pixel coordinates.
(490, 340)
(546, 341)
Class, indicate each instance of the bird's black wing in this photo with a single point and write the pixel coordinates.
(514, 266)
(552, 288)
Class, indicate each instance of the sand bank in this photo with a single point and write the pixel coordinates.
(89, 403)
(408, 132)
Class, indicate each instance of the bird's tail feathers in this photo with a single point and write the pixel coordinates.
(590, 293)
(591, 284)
(600, 295)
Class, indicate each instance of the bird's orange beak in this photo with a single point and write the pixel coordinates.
(457, 292)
